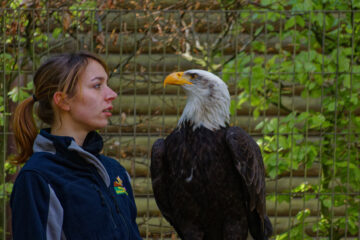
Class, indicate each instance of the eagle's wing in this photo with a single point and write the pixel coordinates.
(248, 161)
(158, 169)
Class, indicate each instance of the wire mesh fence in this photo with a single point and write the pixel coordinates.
(293, 77)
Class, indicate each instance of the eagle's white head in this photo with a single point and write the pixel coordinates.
(208, 99)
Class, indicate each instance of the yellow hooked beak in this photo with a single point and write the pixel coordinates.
(176, 78)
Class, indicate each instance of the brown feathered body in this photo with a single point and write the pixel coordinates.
(210, 185)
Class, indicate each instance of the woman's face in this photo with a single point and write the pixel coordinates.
(91, 106)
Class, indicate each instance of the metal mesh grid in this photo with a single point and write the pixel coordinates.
(286, 93)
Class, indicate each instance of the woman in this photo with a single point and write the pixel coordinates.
(67, 189)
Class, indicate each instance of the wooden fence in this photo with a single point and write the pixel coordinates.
(141, 48)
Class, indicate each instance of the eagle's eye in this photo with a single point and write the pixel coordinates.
(193, 75)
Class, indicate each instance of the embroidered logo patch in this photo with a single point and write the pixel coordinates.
(118, 186)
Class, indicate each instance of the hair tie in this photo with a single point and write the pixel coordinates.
(35, 99)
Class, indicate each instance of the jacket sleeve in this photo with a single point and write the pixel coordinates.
(29, 206)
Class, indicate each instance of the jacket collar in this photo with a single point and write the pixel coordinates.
(93, 143)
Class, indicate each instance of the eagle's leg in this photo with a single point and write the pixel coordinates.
(235, 229)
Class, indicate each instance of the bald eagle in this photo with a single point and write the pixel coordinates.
(208, 178)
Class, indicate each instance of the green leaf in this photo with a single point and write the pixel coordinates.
(261, 124)
(258, 75)
(302, 117)
(354, 99)
(317, 120)
(272, 173)
(300, 21)
(290, 23)
(242, 98)
(56, 32)
(347, 81)
(283, 198)
(13, 94)
(283, 236)
(232, 107)
(303, 214)
(356, 4)
(304, 187)
(272, 126)
(266, 2)
(331, 106)
(256, 113)
(283, 143)
(258, 30)
(258, 46)
(327, 203)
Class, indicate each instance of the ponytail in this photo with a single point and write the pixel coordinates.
(25, 130)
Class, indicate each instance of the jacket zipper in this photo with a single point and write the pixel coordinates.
(114, 201)
(118, 210)
(104, 203)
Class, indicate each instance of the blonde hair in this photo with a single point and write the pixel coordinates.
(58, 73)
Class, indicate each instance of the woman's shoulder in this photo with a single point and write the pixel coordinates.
(110, 162)
(38, 160)
(46, 164)
(31, 172)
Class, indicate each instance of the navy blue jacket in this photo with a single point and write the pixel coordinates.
(65, 191)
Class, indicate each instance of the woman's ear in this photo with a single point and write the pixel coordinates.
(60, 101)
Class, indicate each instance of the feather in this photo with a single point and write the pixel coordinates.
(208, 178)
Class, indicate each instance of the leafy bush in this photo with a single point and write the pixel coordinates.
(317, 55)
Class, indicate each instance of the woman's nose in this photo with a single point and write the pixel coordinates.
(110, 95)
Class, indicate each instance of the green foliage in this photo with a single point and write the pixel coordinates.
(315, 56)
(298, 231)
(9, 169)
(26, 40)
(304, 50)
(18, 94)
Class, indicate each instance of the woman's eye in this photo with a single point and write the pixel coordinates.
(97, 86)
